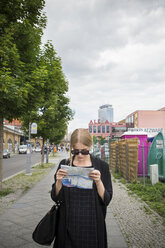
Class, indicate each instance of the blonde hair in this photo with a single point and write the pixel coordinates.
(80, 135)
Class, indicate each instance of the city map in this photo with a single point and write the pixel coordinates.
(77, 177)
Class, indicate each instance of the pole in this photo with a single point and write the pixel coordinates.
(47, 151)
(127, 174)
(28, 164)
(14, 137)
(109, 148)
(143, 164)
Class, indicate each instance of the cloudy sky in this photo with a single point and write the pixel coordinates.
(112, 51)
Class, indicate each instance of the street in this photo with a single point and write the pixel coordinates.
(17, 163)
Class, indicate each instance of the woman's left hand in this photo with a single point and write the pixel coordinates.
(96, 176)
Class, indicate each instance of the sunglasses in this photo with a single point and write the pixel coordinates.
(83, 152)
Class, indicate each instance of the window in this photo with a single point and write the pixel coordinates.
(90, 129)
(103, 129)
(107, 129)
(119, 129)
(94, 129)
(99, 129)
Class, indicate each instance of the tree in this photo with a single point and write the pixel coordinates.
(22, 22)
(94, 140)
(101, 140)
(52, 113)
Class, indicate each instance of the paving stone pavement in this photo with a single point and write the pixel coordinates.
(19, 220)
(141, 226)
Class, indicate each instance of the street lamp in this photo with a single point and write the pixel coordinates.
(28, 164)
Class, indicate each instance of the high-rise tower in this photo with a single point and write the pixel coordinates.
(105, 112)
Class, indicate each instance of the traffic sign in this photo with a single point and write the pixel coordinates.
(34, 128)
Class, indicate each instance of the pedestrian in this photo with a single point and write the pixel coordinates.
(82, 211)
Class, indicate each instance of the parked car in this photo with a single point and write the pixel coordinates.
(38, 149)
(33, 149)
(6, 153)
(22, 149)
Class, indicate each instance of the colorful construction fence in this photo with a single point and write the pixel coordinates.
(124, 158)
(142, 151)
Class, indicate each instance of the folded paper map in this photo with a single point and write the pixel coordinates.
(77, 177)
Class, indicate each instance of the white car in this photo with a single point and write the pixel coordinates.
(23, 149)
(33, 149)
(38, 149)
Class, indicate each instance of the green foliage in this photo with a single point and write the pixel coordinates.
(153, 195)
(20, 40)
(117, 175)
(5, 192)
(52, 113)
(21, 28)
(11, 91)
(101, 140)
(94, 139)
(46, 166)
(32, 84)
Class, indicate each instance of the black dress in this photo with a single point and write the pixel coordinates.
(82, 224)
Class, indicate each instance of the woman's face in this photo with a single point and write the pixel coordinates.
(80, 147)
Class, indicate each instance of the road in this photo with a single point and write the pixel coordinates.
(17, 163)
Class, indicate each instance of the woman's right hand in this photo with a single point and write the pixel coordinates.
(61, 173)
(59, 176)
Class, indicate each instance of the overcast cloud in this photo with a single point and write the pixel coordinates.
(112, 51)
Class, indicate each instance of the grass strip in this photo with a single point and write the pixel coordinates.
(153, 195)
(22, 182)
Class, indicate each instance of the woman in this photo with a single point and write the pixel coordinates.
(82, 211)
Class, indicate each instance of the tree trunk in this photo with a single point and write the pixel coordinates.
(42, 157)
(1, 151)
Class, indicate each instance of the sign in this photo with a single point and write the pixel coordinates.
(34, 128)
(159, 144)
(149, 131)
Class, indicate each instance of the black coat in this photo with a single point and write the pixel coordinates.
(101, 206)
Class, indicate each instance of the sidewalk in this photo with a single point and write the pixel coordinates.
(19, 221)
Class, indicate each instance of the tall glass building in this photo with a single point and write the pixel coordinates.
(105, 112)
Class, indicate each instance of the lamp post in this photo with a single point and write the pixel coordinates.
(32, 130)
(14, 137)
(28, 161)
(47, 151)
(109, 147)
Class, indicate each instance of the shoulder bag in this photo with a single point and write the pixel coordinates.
(45, 231)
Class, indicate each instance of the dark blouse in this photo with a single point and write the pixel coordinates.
(82, 213)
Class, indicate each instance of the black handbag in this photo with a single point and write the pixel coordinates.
(46, 229)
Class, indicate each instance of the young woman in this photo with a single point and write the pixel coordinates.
(82, 211)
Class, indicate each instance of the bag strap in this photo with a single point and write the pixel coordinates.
(67, 161)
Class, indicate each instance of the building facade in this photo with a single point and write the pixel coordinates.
(107, 129)
(150, 121)
(13, 136)
(105, 113)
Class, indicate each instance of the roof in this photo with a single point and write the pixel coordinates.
(134, 133)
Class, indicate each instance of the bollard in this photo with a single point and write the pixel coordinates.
(154, 173)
